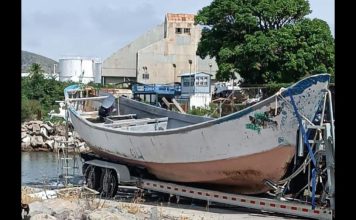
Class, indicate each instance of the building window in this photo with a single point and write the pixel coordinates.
(178, 30)
(145, 76)
(205, 80)
(187, 30)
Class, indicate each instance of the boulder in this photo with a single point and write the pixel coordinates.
(49, 129)
(26, 139)
(42, 216)
(23, 135)
(50, 144)
(44, 132)
(26, 147)
(36, 128)
(36, 141)
(36, 122)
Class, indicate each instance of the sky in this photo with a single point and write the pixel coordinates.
(89, 28)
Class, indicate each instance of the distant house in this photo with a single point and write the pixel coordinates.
(25, 74)
(197, 88)
(46, 75)
(160, 55)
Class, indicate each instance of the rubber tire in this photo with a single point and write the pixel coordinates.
(109, 183)
(92, 177)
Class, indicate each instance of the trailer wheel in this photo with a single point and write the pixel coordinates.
(109, 183)
(92, 177)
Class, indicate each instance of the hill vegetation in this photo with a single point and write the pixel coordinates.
(28, 58)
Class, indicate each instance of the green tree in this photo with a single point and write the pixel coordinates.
(40, 93)
(265, 40)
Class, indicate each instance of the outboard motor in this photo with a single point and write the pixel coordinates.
(106, 107)
(103, 112)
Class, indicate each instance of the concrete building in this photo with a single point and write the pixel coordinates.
(160, 55)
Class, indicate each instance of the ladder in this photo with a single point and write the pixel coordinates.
(68, 163)
(324, 141)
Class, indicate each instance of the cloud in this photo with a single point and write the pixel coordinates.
(100, 28)
(123, 21)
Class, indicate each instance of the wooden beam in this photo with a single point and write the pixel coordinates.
(177, 105)
(166, 102)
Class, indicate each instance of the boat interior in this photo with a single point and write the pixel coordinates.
(104, 110)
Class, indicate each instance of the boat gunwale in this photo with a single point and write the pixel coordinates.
(226, 118)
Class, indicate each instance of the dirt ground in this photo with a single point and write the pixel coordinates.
(73, 204)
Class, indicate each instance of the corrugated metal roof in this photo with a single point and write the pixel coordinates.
(192, 74)
(180, 17)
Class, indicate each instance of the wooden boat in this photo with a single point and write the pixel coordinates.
(237, 152)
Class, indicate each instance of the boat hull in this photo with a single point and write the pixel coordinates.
(245, 174)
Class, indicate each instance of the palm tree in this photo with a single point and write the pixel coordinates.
(35, 70)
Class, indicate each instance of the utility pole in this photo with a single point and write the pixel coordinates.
(174, 66)
(190, 76)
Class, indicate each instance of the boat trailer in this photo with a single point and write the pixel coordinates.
(318, 164)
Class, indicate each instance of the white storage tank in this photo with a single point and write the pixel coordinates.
(97, 71)
(79, 69)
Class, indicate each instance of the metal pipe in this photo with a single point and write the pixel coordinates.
(323, 111)
(88, 98)
(308, 183)
(331, 119)
(301, 142)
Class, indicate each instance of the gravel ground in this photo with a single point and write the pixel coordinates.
(68, 205)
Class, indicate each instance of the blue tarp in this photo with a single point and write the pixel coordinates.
(70, 88)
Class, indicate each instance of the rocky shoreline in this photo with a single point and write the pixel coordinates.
(48, 137)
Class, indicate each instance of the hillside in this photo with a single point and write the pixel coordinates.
(28, 58)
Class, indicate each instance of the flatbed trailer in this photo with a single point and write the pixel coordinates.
(280, 205)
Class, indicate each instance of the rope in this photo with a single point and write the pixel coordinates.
(310, 151)
(313, 187)
(299, 170)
